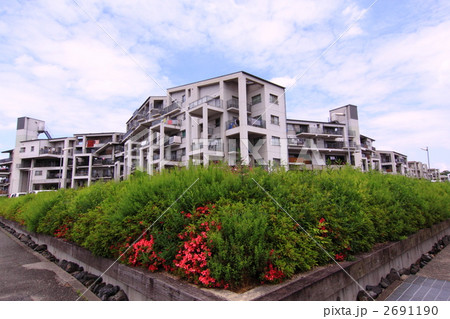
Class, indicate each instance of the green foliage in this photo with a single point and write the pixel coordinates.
(248, 237)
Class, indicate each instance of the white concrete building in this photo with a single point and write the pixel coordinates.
(231, 118)
(53, 163)
(393, 162)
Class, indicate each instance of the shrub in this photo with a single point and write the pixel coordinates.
(225, 231)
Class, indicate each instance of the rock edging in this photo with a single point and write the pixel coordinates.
(105, 292)
(373, 292)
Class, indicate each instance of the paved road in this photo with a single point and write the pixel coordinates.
(431, 283)
(25, 275)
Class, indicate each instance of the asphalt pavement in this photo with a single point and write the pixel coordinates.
(25, 275)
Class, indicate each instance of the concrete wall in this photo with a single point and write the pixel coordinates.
(323, 283)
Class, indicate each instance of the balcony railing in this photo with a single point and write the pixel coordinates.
(6, 160)
(174, 158)
(215, 146)
(51, 175)
(100, 161)
(296, 141)
(234, 104)
(173, 140)
(231, 124)
(257, 122)
(325, 130)
(200, 101)
(170, 108)
(333, 130)
(334, 145)
(156, 122)
(44, 151)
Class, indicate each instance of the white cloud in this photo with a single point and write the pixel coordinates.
(59, 65)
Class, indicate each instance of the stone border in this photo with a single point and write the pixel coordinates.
(323, 283)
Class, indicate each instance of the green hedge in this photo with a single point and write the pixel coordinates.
(225, 231)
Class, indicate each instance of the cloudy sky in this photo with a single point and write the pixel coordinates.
(85, 66)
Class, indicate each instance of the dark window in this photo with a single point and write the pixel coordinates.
(256, 99)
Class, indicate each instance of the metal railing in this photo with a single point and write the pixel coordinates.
(44, 151)
(6, 160)
(334, 145)
(234, 104)
(170, 108)
(174, 158)
(257, 122)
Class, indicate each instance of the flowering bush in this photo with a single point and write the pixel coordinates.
(225, 231)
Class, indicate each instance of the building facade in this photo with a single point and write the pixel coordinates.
(232, 118)
(236, 118)
(53, 163)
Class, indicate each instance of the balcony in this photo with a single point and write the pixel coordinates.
(231, 124)
(334, 145)
(83, 173)
(350, 145)
(171, 108)
(100, 161)
(214, 146)
(4, 169)
(233, 105)
(257, 122)
(173, 140)
(206, 99)
(173, 158)
(326, 131)
(53, 175)
(50, 151)
(154, 123)
(6, 160)
(295, 141)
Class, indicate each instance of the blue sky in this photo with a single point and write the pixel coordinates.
(85, 66)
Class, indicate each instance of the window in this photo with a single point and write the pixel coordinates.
(290, 127)
(275, 141)
(22, 150)
(218, 122)
(183, 98)
(32, 148)
(38, 173)
(189, 92)
(275, 120)
(276, 162)
(183, 133)
(273, 99)
(256, 99)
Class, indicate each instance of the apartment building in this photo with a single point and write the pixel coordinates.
(235, 118)
(314, 144)
(417, 169)
(5, 173)
(434, 174)
(53, 163)
(232, 118)
(370, 158)
(393, 162)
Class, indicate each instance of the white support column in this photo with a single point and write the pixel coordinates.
(243, 130)
(205, 135)
(162, 138)
(188, 137)
(90, 170)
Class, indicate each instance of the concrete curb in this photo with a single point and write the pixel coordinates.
(65, 278)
